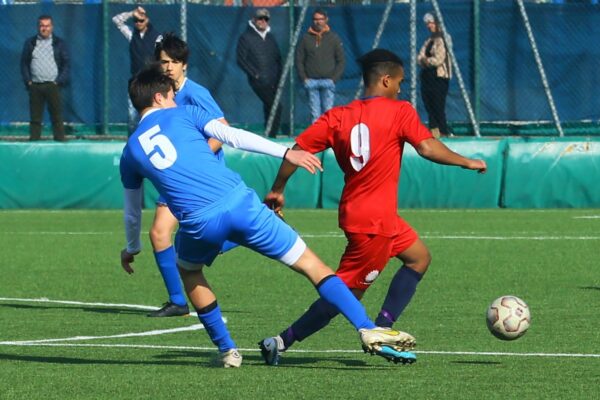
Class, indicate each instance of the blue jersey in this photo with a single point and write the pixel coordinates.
(194, 94)
(170, 148)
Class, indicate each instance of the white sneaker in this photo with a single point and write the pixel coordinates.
(373, 339)
(231, 359)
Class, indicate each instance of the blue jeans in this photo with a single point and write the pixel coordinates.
(320, 96)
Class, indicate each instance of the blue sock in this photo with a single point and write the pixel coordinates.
(400, 292)
(167, 265)
(212, 320)
(317, 317)
(334, 291)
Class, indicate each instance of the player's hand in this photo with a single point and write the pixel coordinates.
(478, 165)
(126, 260)
(304, 159)
(275, 201)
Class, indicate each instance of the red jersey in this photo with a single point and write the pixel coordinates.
(367, 137)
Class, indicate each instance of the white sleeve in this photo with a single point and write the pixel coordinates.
(132, 216)
(244, 140)
(119, 21)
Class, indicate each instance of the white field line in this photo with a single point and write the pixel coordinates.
(122, 335)
(340, 235)
(303, 351)
(54, 342)
(471, 237)
(82, 303)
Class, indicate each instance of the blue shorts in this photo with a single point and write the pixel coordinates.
(241, 218)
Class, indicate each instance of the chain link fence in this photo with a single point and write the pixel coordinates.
(535, 75)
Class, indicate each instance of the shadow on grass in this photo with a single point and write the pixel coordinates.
(83, 361)
(287, 362)
(101, 310)
(200, 359)
(589, 287)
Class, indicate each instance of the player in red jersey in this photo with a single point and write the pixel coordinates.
(367, 137)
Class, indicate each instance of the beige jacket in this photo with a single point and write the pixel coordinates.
(440, 58)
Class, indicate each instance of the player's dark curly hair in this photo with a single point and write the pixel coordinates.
(145, 84)
(175, 48)
(379, 62)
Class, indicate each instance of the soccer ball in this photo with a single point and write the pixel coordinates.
(508, 318)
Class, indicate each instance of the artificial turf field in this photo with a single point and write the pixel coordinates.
(73, 324)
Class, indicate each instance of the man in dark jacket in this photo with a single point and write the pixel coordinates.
(320, 62)
(258, 55)
(45, 68)
(142, 40)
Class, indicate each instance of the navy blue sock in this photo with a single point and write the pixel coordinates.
(212, 320)
(313, 320)
(334, 291)
(167, 265)
(400, 292)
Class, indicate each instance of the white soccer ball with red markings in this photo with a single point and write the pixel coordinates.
(508, 317)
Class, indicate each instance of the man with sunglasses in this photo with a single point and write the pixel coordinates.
(258, 55)
(141, 40)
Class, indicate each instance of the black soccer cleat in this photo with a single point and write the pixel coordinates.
(170, 310)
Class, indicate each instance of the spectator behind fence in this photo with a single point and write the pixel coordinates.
(436, 71)
(45, 69)
(320, 62)
(259, 56)
(141, 40)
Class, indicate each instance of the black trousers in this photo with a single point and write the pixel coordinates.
(39, 95)
(266, 93)
(434, 91)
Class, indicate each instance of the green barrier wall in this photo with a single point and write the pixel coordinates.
(557, 173)
(426, 184)
(57, 175)
(523, 173)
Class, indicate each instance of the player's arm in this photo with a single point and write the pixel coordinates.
(436, 151)
(132, 216)
(119, 20)
(244, 140)
(213, 143)
(275, 199)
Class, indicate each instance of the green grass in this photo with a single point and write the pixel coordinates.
(548, 258)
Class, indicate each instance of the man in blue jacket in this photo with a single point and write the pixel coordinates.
(45, 69)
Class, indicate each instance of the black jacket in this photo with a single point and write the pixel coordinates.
(141, 50)
(61, 56)
(259, 58)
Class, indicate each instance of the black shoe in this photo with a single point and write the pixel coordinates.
(170, 310)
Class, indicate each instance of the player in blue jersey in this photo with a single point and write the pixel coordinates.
(172, 53)
(213, 205)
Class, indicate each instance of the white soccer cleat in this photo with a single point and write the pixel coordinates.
(374, 339)
(231, 359)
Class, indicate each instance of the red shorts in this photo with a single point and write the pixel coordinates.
(366, 255)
